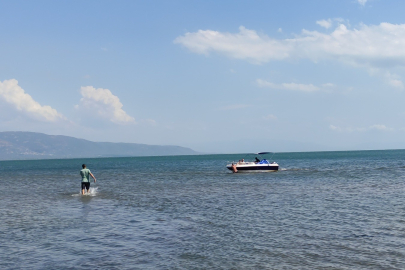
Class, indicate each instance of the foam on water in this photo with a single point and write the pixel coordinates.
(92, 192)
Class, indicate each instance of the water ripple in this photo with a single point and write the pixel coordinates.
(319, 212)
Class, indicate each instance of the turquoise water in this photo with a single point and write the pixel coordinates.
(328, 210)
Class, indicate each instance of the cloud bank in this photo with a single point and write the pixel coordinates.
(104, 104)
(369, 45)
(14, 95)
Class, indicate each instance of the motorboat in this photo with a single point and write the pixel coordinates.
(257, 165)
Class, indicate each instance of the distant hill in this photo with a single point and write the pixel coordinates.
(31, 145)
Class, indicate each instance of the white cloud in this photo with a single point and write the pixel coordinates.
(270, 117)
(13, 94)
(328, 85)
(346, 129)
(393, 80)
(380, 127)
(361, 129)
(288, 86)
(369, 45)
(362, 2)
(332, 127)
(246, 44)
(104, 103)
(150, 122)
(396, 84)
(280, 30)
(325, 23)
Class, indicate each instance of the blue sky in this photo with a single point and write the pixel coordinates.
(216, 76)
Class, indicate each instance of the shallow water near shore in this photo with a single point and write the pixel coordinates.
(325, 210)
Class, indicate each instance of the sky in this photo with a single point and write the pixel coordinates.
(215, 76)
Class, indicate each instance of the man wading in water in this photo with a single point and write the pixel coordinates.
(86, 173)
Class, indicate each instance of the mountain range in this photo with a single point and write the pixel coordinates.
(16, 145)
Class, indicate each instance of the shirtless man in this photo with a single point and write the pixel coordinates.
(234, 168)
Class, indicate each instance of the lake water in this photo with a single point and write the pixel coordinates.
(326, 210)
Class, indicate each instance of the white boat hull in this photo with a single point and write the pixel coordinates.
(251, 166)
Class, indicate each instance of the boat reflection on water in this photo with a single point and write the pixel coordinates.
(258, 165)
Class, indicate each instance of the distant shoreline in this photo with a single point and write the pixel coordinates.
(18, 145)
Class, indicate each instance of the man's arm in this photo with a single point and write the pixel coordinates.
(93, 177)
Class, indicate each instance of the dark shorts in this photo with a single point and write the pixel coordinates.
(86, 185)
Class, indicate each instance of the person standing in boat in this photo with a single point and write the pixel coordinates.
(85, 174)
